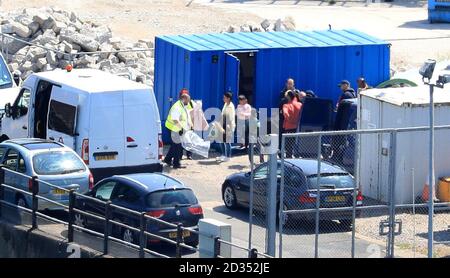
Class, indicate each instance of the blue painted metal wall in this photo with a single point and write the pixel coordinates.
(439, 11)
(316, 60)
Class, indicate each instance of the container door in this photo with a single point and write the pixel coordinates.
(62, 116)
(232, 65)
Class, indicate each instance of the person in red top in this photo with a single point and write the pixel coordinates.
(291, 113)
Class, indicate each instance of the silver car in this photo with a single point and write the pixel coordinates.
(50, 162)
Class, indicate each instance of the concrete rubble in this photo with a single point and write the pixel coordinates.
(69, 35)
(286, 24)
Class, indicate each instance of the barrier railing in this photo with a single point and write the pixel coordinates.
(107, 218)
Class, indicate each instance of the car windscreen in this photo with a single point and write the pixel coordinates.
(331, 181)
(57, 163)
(171, 198)
(5, 76)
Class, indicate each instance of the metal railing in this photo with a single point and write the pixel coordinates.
(392, 209)
(252, 253)
(141, 229)
(107, 218)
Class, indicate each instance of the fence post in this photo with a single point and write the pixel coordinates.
(106, 231)
(319, 160)
(142, 239)
(281, 212)
(2, 190)
(179, 240)
(216, 247)
(71, 215)
(253, 254)
(392, 179)
(35, 202)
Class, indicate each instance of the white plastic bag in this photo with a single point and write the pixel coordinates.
(194, 143)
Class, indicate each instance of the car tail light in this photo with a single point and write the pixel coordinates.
(359, 198)
(156, 213)
(160, 147)
(91, 181)
(196, 210)
(306, 198)
(130, 139)
(85, 151)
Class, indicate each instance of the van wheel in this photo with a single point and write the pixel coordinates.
(21, 202)
(3, 138)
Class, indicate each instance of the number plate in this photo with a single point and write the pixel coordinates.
(335, 199)
(59, 192)
(105, 157)
(174, 234)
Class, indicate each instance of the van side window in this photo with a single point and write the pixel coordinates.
(21, 104)
(62, 117)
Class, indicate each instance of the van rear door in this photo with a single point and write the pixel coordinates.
(62, 116)
(105, 137)
(142, 127)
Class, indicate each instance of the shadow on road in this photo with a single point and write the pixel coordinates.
(295, 227)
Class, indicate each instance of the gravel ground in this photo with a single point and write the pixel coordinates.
(414, 232)
(144, 19)
(414, 228)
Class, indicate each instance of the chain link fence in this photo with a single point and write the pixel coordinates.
(361, 193)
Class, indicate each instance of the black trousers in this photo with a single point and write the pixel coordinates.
(175, 152)
(290, 143)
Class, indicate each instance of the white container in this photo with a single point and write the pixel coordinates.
(399, 108)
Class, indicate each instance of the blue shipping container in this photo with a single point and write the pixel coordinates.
(258, 64)
(439, 11)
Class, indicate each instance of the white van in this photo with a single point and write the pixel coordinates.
(111, 122)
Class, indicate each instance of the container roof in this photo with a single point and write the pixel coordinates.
(409, 96)
(264, 40)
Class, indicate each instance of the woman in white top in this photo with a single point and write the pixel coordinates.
(243, 112)
(228, 122)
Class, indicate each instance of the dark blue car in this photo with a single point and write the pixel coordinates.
(300, 191)
(158, 195)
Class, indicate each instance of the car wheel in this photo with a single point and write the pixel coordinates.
(128, 236)
(229, 197)
(21, 202)
(346, 223)
(79, 220)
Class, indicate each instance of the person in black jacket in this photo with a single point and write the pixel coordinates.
(347, 92)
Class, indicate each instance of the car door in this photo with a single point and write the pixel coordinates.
(14, 161)
(259, 186)
(103, 192)
(62, 116)
(126, 196)
(19, 114)
(295, 184)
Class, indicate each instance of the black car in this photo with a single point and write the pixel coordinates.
(300, 191)
(158, 195)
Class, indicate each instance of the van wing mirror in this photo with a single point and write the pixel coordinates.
(8, 110)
